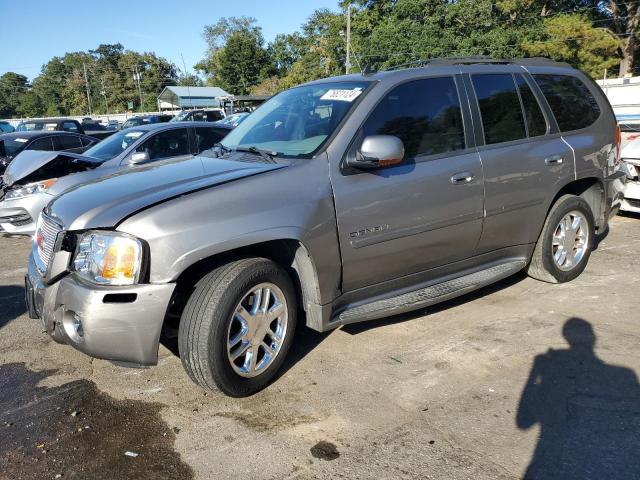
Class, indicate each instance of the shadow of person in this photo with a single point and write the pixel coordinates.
(588, 412)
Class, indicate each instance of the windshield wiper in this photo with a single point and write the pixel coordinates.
(258, 151)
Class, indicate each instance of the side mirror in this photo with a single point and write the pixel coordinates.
(139, 157)
(378, 151)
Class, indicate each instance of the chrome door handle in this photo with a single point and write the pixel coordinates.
(463, 178)
(554, 160)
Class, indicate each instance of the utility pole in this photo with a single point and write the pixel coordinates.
(136, 77)
(104, 94)
(348, 61)
(86, 83)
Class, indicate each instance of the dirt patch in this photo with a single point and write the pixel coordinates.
(325, 451)
(76, 431)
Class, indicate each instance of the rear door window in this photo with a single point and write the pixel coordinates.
(425, 114)
(570, 100)
(66, 142)
(208, 137)
(69, 126)
(170, 143)
(41, 144)
(536, 124)
(214, 116)
(500, 108)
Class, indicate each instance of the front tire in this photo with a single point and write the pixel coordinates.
(238, 326)
(565, 243)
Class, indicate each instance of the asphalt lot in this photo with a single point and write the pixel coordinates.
(484, 387)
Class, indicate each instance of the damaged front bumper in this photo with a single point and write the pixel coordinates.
(18, 216)
(121, 324)
(631, 201)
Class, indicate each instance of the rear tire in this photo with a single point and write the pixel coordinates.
(220, 312)
(562, 251)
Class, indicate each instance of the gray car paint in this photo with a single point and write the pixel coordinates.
(431, 229)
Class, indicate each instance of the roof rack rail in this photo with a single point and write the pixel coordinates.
(470, 60)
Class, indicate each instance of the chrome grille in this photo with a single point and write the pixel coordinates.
(45, 241)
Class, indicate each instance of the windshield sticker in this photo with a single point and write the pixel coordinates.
(341, 95)
(20, 140)
(134, 135)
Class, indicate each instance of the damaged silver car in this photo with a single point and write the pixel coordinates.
(34, 178)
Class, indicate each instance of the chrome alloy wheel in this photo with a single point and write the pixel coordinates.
(257, 330)
(570, 240)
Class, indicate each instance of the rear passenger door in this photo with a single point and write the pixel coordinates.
(414, 216)
(524, 162)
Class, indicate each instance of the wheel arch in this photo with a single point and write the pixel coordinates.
(591, 190)
(289, 253)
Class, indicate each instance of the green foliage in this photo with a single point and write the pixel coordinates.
(573, 39)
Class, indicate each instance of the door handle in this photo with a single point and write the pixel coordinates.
(463, 178)
(554, 160)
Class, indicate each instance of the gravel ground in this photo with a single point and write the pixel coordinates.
(520, 377)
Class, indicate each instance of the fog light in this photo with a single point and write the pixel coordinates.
(77, 325)
(72, 324)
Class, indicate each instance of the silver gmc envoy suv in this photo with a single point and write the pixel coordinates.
(341, 200)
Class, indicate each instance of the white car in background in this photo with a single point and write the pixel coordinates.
(630, 165)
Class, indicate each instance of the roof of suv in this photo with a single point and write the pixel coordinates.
(427, 65)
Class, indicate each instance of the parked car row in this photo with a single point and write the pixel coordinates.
(350, 199)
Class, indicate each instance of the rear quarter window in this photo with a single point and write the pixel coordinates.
(571, 102)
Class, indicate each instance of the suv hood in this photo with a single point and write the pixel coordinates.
(33, 165)
(107, 201)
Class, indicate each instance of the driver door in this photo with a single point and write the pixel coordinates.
(407, 218)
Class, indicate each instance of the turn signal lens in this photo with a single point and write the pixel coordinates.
(108, 258)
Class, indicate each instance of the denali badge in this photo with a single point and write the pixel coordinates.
(368, 231)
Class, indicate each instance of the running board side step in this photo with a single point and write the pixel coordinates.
(429, 295)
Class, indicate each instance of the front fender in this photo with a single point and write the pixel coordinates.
(292, 203)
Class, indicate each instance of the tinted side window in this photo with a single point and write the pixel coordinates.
(69, 126)
(208, 137)
(66, 142)
(500, 107)
(214, 116)
(41, 144)
(570, 100)
(197, 116)
(171, 143)
(532, 112)
(424, 114)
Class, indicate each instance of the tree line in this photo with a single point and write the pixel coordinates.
(595, 36)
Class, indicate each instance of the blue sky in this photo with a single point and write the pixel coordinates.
(37, 30)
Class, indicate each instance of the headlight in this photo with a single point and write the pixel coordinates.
(108, 258)
(30, 189)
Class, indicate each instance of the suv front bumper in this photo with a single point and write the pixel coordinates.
(121, 324)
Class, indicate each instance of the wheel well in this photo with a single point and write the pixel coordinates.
(592, 191)
(289, 254)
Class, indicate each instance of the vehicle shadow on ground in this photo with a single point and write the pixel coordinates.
(76, 431)
(356, 328)
(588, 412)
(12, 303)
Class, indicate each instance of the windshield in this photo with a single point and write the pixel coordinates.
(114, 145)
(180, 117)
(10, 147)
(296, 122)
(36, 126)
(134, 122)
